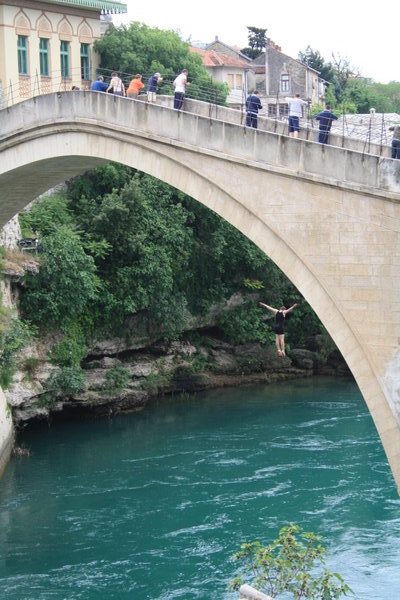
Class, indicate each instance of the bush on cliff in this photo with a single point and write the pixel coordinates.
(66, 282)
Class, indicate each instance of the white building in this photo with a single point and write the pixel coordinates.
(47, 45)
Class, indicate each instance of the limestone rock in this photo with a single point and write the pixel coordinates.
(223, 361)
(254, 357)
(107, 362)
(303, 359)
(22, 392)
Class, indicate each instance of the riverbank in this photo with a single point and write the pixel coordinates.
(117, 378)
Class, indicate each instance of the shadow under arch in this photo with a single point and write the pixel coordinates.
(51, 155)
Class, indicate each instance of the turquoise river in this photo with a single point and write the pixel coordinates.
(151, 505)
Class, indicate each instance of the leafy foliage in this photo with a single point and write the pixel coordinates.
(258, 40)
(246, 324)
(290, 564)
(45, 216)
(116, 379)
(67, 381)
(148, 251)
(137, 245)
(348, 92)
(14, 335)
(314, 59)
(139, 48)
(71, 349)
(65, 284)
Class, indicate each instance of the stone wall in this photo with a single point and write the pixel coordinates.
(10, 234)
(6, 432)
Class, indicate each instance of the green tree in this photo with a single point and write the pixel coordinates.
(344, 71)
(365, 94)
(66, 282)
(258, 40)
(141, 246)
(294, 564)
(338, 72)
(149, 245)
(314, 59)
(139, 48)
(46, 216)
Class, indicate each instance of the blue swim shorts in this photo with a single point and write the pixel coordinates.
(294, 124)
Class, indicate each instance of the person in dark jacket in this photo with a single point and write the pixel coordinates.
(253, 105)
(395, 141)
(99, 85)
(325, 119)
(279, 325)
(152, 87)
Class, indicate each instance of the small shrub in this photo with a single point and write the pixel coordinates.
(199, 362)
(14, 335)
(116, 379)
(6, 376)
(71, 350)
(30, 365)
(291, 564)
(46, 400)
(67, 382)
(154, 382)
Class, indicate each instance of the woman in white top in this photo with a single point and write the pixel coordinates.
(116, 85)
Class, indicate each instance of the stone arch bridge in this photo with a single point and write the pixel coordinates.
(328, 216)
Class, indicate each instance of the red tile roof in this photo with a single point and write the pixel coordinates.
(211, 58)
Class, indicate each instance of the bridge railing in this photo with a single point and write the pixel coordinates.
(308, 131)
(373, 139)
(30, 86)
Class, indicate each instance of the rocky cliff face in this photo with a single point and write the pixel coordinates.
(125, 379)
(123, 373)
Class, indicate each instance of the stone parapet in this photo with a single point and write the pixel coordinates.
(6, 433)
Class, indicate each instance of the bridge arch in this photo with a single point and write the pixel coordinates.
(291, 215)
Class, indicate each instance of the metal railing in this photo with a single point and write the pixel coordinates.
(30, 86)
(371, 130)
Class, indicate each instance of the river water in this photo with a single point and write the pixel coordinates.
(152, 505)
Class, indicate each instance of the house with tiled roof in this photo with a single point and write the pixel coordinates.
(226, 64)
(279, 76)
(47, 45)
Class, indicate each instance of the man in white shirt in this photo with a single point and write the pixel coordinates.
(295, 112)
(180, 84)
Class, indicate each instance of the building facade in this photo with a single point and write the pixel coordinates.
(228, 68)
(47, 45)
(278, 76)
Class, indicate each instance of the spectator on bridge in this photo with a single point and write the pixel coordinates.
(116, 85)
(152, 87)
(395, 141)
(279, 325)
(180, 84)
(253, 105)
(135, 86)
(295, 113)
(99, 85)
(325, 119)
